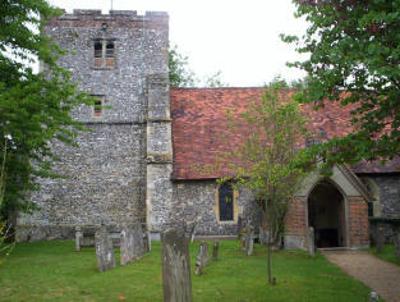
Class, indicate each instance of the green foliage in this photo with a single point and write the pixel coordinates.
(34, 108)
(53, 271)
(180, 74)
(270, 161)
(354, 58)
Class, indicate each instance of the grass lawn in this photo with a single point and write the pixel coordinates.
(388, 254)
(53, 271)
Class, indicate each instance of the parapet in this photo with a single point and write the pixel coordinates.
(127, 18)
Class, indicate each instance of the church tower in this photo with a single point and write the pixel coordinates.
(120, 173)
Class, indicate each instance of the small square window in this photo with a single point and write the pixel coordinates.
(98, 107)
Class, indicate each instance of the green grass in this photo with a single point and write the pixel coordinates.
(52, 271)
(388, 254)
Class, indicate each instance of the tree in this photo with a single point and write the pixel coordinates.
(34, 108)
(180, 74)
(354, 59)
(270, 161)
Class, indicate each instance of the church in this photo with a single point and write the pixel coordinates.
(139, 160)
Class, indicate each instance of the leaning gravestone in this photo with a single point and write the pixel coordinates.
(202, 258)
(104, 250)
(177, 284)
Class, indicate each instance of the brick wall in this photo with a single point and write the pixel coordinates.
(358, 222)
(295, 223)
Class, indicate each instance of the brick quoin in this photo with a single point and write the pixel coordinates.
(358, 222)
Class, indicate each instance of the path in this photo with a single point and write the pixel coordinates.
(382, 276)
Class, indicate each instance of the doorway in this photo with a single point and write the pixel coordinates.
(326, 214)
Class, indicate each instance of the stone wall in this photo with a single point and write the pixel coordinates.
(105, 177)
(389, 193)
(193, 199)
(103, 181)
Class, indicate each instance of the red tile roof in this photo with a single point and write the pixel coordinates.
(200, 130)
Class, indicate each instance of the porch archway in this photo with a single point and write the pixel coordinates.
(326, 214)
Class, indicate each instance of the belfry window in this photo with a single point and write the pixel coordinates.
(104, 53)
(226, 202)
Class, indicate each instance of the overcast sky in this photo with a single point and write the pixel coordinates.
(240, 38)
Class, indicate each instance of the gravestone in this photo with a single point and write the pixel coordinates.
(311, 241)
(215, 250)
(104, 250)
(202, 258)
(78, 238)
(249, 240)
(177, 284)
(137, 241)
(126, 245)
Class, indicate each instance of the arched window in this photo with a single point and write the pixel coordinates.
(226, 202)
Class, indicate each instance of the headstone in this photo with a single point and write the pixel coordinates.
(137, 241)
(104, 250)
(380, 238)
(215, 250)
(311, 241)
(177, 284)
(78, 238)
(202, 258)
(249, 240)
(126, 245)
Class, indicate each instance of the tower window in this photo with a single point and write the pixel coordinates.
(98, 106)
(98, 49)
(110, 50)
(104, 53)
(225, 200)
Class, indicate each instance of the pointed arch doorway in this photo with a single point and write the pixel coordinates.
(327, 215)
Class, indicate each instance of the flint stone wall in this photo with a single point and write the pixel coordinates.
(389, 193)
(106, 176)
(198, 198)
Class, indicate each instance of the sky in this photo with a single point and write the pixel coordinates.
(239, 38)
